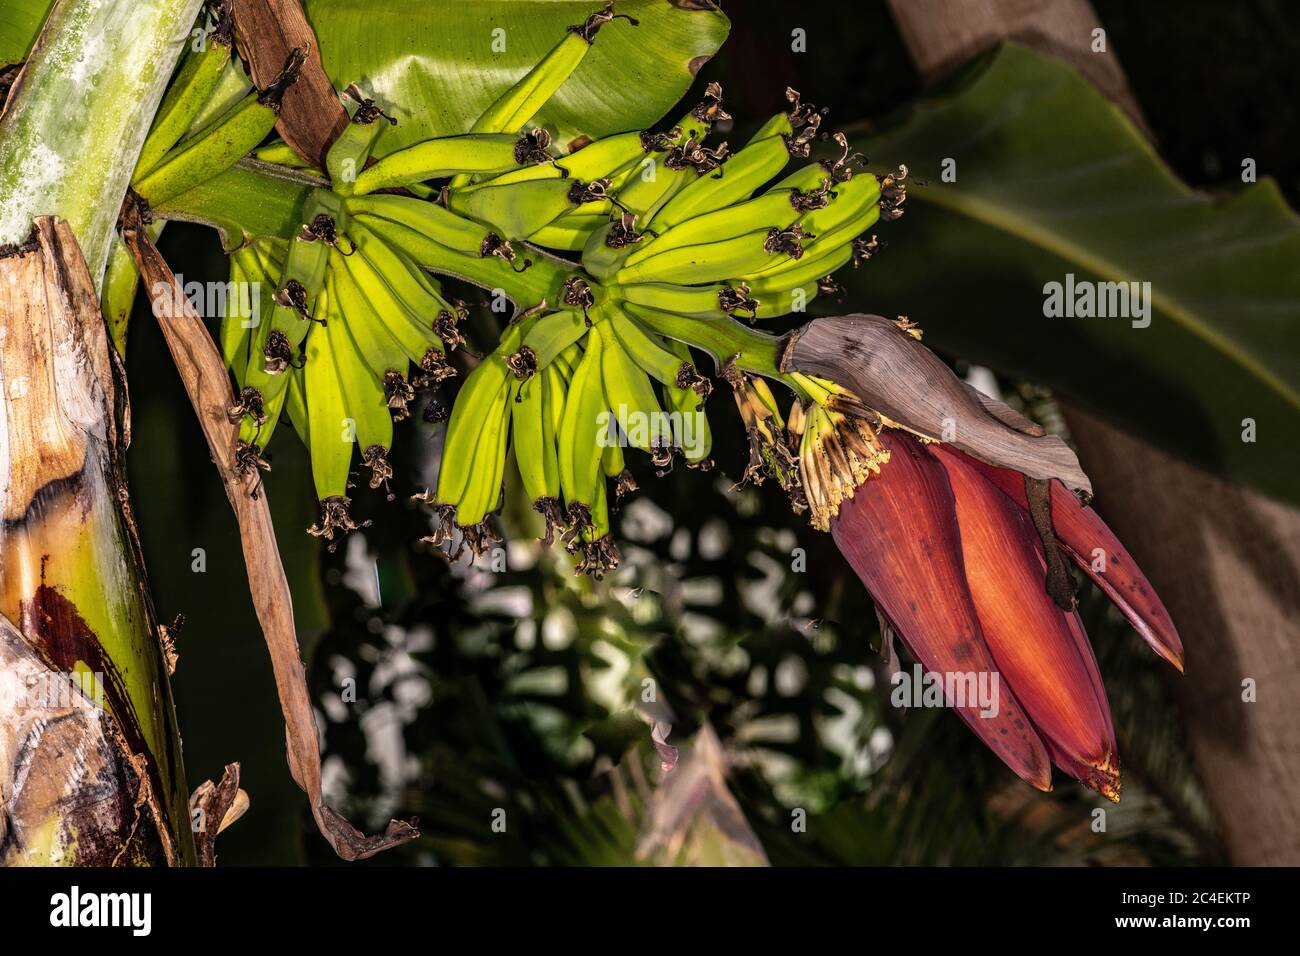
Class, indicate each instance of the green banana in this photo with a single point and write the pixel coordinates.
(331, 438)
(231, 87)
(428, 219)
(691, 432)
(382, 352)
(698, 301)
(481, 399)
(514, 108)
(557, 380)
(540, 282)
(519, 104)
(608, 248)
(851, 199)
(533, 426)
(723, 338)
(602, 158)
(262, 261)
(517, 210)
(390, 282)
(815, 264)
(330, 429)
(363, 392)
(657, 179)
(567, 361)
(234, 336)
(571, 232)
(248, 298)
(705, 262)
(439, 158)
(822, 248)
(483, 490)
(784, 292)
(274, 341)
(553, 333)
(776, 209)
(605, 158)
(745, 172)
(632, 400)
(348, 153)
(583, 439)
(580, 441)
(219, 146)
(650, 354)
(295, 405)
(281, 154)
(194, 85)
(612, 461)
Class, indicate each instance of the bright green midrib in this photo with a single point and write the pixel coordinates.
(996, 217)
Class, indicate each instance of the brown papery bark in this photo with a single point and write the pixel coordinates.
(1225, 559)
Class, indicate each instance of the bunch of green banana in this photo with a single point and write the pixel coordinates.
(197, 81)
(169, 168)
(763, 257)
(474, 451)
(675, 237)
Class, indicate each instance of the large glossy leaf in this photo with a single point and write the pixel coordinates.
(435, 66)
(1051, 179)
(20, 22)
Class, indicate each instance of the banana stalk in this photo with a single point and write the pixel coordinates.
(90, 760)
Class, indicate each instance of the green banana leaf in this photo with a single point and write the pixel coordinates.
(433, 65)
(20, 23)
(1051, 179)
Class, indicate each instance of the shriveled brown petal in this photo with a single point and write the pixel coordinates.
(899, 532)
(1041, 651)
(1092, 546)
(894, 374)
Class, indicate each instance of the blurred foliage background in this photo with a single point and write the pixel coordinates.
(472, 698)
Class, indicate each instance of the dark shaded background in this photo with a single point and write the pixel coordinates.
(1215, 81)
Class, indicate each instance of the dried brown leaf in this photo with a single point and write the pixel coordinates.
(208, 386)
(311, 116)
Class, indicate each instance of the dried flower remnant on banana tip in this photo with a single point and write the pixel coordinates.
(770, 453)
(335, 519)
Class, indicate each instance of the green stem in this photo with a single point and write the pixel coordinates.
(754, 351)
(250, 199)
(70, 137)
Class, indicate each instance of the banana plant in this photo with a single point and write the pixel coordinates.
(640, 256)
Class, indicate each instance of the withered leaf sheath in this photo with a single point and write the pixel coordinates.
(893, 374)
